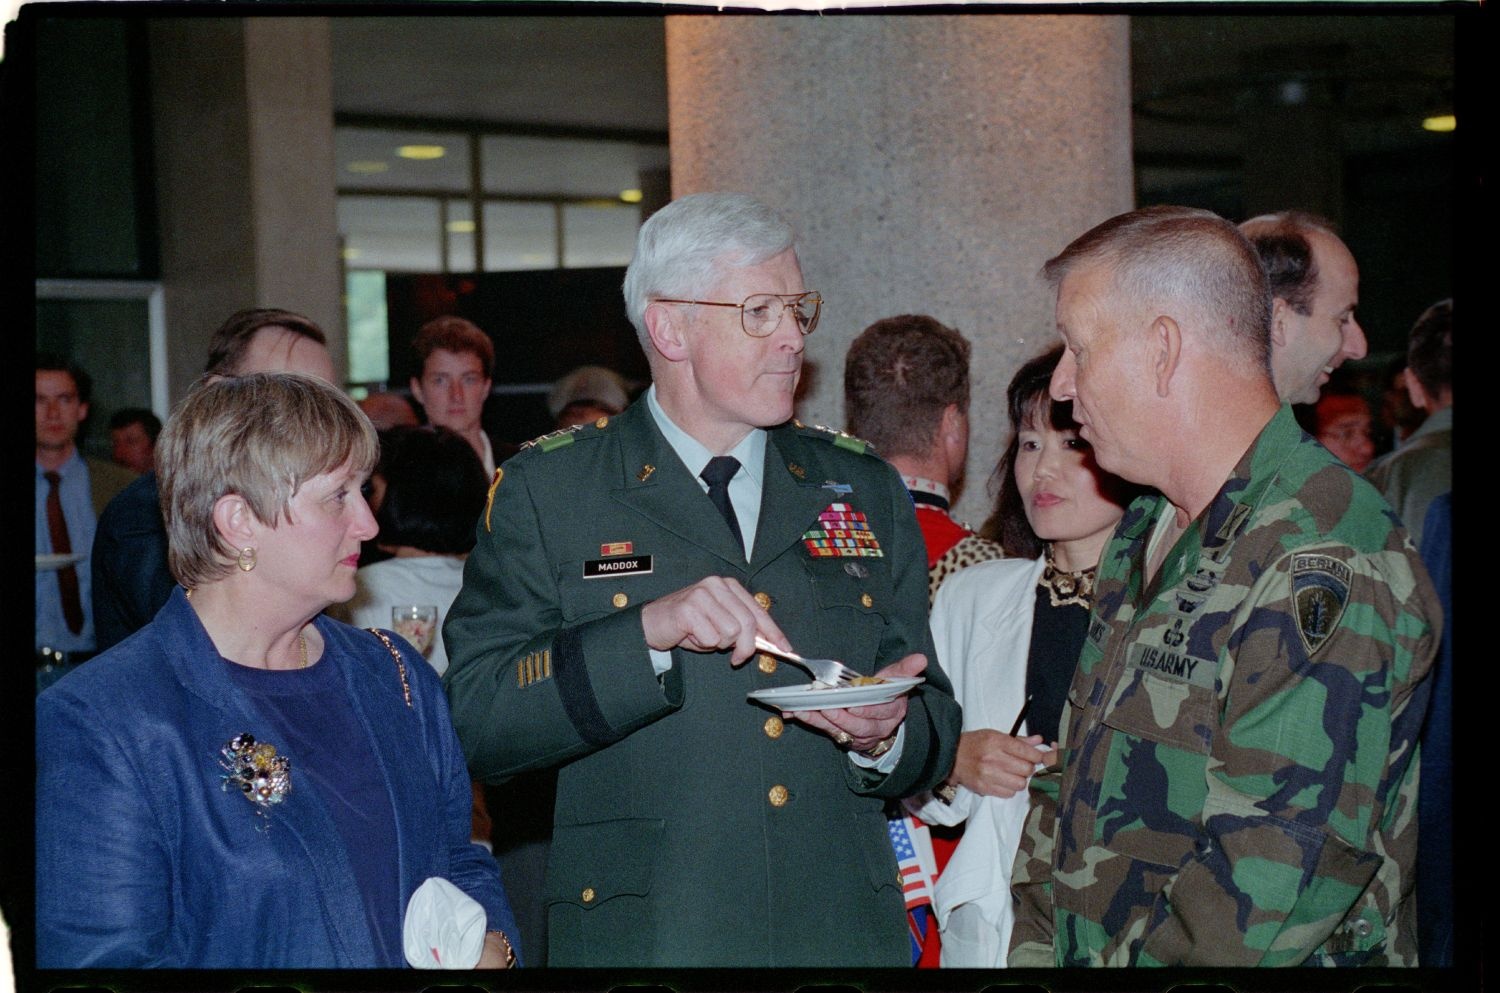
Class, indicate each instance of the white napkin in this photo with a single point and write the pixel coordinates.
(444, 927)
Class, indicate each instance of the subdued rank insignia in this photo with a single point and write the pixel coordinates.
(534, 668)
(1320, 591)
(489, 501)
(1232, 526)
(628, 565)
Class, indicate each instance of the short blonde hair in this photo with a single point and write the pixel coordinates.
(259, 436)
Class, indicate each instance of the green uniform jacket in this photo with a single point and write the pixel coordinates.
(1238, 780)
(692, 827)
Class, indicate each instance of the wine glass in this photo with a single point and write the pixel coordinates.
(417, 624)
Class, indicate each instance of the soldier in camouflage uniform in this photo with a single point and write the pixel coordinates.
(1237, 779)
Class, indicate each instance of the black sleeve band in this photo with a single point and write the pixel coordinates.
(577, 693)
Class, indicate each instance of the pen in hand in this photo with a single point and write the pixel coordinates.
(1016, 727)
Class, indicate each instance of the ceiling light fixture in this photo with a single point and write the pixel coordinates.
(460, 227)
(366, 166)
(421, 152)
(632, 196)
(1440, 122)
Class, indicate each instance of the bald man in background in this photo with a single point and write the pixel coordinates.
(1314, 292)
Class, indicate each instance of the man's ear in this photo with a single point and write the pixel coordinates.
(1414, 390)
(235, 521)
(1279, 310)
(416, 391)
(955, 424)
(666, 328)
(1165, 343)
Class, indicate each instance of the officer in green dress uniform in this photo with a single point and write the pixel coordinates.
(1237, 779)
(609, 610)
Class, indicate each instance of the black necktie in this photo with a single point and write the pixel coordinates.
(717, 474)
(67, 576)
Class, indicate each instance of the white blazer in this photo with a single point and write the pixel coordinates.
(981, 628)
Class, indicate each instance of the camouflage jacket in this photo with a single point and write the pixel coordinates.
(1238, 775)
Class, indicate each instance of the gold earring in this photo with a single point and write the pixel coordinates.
(246, 559)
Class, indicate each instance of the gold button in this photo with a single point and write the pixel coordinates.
(766, 664)
(588, 894)
(867, 600)
(620, 600)
(773, 727)
(764, 599)
(777, 796)
(601, 422)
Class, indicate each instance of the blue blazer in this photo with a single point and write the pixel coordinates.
(143, 860)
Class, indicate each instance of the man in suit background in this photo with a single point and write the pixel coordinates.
(71, 490)
(131, 579)
(607, 613)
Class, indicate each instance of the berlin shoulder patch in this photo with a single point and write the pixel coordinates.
(1320, 592)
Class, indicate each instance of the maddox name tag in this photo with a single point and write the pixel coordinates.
(629, 565)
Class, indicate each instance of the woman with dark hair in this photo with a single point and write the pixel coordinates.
(1009, 633)
(434, 492)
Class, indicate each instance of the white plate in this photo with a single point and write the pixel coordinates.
(57, 561)
(812, 696)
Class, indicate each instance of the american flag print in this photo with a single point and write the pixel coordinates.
(916, 878)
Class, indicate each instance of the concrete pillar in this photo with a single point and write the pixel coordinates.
(243, 124)
(931, 164)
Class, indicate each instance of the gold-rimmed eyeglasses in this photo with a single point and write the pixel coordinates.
(761, 313)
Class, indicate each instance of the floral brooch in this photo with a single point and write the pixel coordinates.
(254, 768)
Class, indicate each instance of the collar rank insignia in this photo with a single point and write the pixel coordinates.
(1320, 591)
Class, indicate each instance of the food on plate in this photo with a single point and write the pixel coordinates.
(856, 681)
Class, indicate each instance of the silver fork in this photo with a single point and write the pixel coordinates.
(830, 671)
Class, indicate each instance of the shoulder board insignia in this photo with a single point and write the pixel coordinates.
(553, 440)
(853, 444)
(489, 501)
(842, 439)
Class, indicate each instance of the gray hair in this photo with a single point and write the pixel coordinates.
(682, 249)
(1188, 257)
(259, 436)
